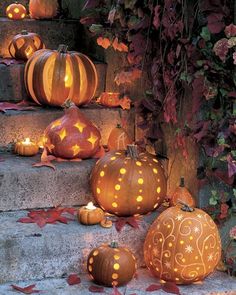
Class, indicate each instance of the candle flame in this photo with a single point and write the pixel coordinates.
(26, 141)
(90, 206)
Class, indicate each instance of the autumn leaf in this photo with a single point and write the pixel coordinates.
(215, 23)
(127, 76)
(26, 290)
(73, 279)
(153, 288)
(230, 31)
(10, 61)
(119, 46)
(170, 287)
(122, 221)
(104, 42)
(96, 289)
(45, 160)
(115, 291)
(156, 19)
(20, 106)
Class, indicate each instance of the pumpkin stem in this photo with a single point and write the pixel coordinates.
(182, 184)
(67, 104)
(132, 151)
(24, 32)
(186, 207)
(62, 48)
(114, 244)
(118, 126)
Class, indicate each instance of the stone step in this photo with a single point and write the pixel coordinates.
(26, 251)
(219, 283)
(12, 86)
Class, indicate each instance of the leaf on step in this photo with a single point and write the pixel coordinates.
(115, 291)
(122, 221)
(20, 106)
(46, 164)
(10, 61)
(96, 289)
(170, 287)
(73, 279)
(45, 160)
(153, 288)
(26, 290)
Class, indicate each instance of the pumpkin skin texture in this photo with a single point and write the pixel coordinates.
(24, 45)
(111, 265)
(43, 8)
(54, 76)
(72, 136)
(90, 217)
(26, 150)
(128, 184)
(182, 194)
(181, 246)
(118, 139)
(16, 11)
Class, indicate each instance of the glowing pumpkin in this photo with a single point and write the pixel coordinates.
(111, 265)
(24, 45)
(43, 8)
(182, 194)
(54, 76)
(16, 11)
(72, 136)
(126, 183)
(118, 139)
(183, 245)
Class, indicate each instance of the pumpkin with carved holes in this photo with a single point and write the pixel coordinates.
(43, 8)
(54, 76)
(111, 265)
(182, 194)
(72, 136)
(118, 139)
(16, 11)
(128, 183)
(182, 245)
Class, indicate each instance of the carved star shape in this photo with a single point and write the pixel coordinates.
(196, 229)
(76, 149)
(62, 133)
(79, 125)
(188, 249)
(167, 264)
(179, 217)
(56, 124)
(92, 139)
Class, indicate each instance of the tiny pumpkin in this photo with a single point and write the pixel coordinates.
(90, 215)
(182, 194)
(127, 183)
(111, 265)
(118, 139)
(16, 11)
(26, 148)
(25, 44)
(182, 245)
(43, 8)
(112, 99)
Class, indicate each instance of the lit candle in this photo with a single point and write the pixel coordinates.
(90, 206)
(26, 148)
(90, 214)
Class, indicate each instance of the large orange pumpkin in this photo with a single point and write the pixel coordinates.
(54, 76)
(16, 11)
(118, 139)
(183, 245)
(25, 44)
(126, 183)
(72, 136)
(43, 8)
(182, 194)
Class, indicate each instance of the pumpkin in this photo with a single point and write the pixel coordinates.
(54, 76)
(90, 214)
(112, 99)
(43, 8)
(24, 45)
(126, 183)
(118, 139)
(16, 11)
(182, 194)
(182, 245)
(111, 265)
(72, 136)
(26, 148)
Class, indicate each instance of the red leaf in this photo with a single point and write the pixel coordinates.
(96, 289)
(115, 291)
(170, 287)
(26, 290)
(119, 224)
(25, 220)
(153, 287)
(133, 222)
(10, 61)
(156, 19)
(73, 279)
(46, 164)
(21, 106)
(122, 221)
(215, 23)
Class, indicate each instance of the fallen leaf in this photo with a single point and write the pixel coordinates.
(115, 291)
(170, 287)
(122, 221)
(10, 61)
(153, 287)
(73, 279)
(96, 289)
(20, 106)
(45, 160)
(46, 164)
(26, 290)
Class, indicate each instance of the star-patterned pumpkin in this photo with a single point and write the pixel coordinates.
(16, 11)
(182, 245)
(128, 183)
(72, 136)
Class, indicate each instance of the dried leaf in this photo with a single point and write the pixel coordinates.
(20, 106)
(120, 46)
(122, 221)
(115, 291)
(156, 19)
(153, 287)
(96, 289)
(170, 287)
(73, 279)
(44, 164)
(104, 42)
(26, 290)
(10, 61)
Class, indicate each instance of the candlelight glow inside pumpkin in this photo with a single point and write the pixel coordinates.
(16, 11)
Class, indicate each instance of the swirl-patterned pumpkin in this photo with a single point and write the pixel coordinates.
(182, 246)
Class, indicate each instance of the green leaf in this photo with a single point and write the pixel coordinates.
(212, 201)
(205, 34)
(221, 141)
(94, 28)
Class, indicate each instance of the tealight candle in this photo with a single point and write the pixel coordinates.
(26, 148)
(90, 214)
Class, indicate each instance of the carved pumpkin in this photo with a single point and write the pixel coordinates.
(90, 214)
(118, 139)
(43, 8)
(72, 136)
(24, 45)
(16, 11)
(111, 265)
(182, 194)
(126, 183)
(54, 76)
(183, 245)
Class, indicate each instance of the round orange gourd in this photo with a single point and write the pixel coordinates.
(16, 11)
(54, 76)
(183, 245)
(25, 44)
(126, 183)
(118, 139)
(90, 217)
(72, 136)
(182, 194)
(111, 265)
(43, 8)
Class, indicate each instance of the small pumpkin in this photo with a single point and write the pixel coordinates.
(127, 183)
(54, 76)
(26, 148)
(16, 11)
(112, 99)
(90, 215)
(182, 245)
(118, 139)
(43, 8)
(182, 194)
(25, 44)
(72, 136)
(111, 265)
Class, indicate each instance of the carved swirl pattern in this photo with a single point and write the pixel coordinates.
(182, 247)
